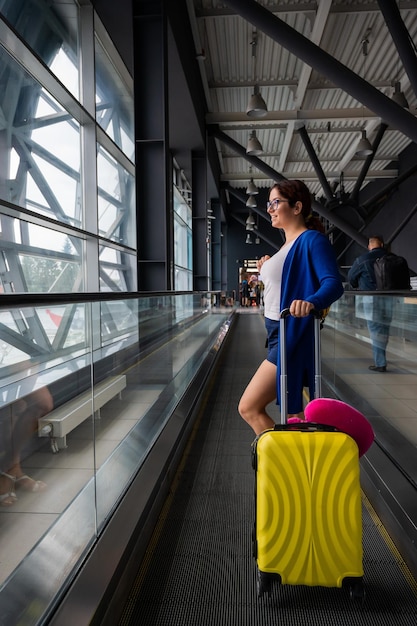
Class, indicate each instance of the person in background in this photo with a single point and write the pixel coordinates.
(377, 310)
(245, 293)
(303, 275)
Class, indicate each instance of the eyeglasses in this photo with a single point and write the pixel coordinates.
(274, 203)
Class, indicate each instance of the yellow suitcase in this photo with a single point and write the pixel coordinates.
(308, 524)
(308, 509)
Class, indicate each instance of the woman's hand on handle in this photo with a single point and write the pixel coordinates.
(300, 308)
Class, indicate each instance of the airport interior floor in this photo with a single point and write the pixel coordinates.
(199, 569)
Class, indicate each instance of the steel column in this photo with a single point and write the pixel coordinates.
(154, 168)
(216, 246)
(201, 238)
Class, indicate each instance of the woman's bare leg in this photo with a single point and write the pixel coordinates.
(260, 391)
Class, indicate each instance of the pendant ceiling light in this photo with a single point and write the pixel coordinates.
(251, 202)
(252, 189)
(250, 222)
(399, 97)
(364, 147)
(254, 147)
(248, 238)
(256, 107)
(258, 239)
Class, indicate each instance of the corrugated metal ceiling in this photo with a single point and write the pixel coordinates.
(298, 95)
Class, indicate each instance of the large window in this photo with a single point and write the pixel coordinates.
(114, 110)
(115, 200)
(67, 182)
(183, 250)
(51, 30)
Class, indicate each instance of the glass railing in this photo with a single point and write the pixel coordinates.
(359, 328)
(86, 389)
(88, 386)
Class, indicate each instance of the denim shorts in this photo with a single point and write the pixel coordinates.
(272, 330)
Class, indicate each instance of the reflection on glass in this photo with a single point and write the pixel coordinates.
(38, 336)
(118, 320)
(51, 30)
(114, 103)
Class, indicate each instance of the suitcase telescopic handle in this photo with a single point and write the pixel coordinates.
(283, 358)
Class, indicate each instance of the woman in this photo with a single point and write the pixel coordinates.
(303, 275)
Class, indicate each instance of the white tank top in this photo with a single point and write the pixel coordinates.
(271, 276)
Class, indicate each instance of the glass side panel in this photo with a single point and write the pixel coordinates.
(366, 326)
(85, 391)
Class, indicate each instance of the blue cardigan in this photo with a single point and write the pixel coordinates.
(310, 273)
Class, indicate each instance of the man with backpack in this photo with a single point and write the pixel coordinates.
(377, 309)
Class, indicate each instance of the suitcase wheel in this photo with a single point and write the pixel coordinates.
(357, 592)
(264, 583)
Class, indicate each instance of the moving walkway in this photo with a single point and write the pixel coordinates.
(171, 489)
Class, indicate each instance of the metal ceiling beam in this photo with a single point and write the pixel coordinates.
(403, 224)
(310, 175)
(256, 233)
(302, 7)
(321, 61)
(240, 196)
(395, 184)
(320, 21)
(367, 164)
(308, 7)
(401, 38)
(299, 115)
(263, 214)
(241, 151)
(311, 131)
(397, 231)
(276, 176)
(293, 83)
(316, 163)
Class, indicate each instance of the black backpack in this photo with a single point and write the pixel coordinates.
(391, 273)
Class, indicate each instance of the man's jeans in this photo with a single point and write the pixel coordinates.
(378, 314)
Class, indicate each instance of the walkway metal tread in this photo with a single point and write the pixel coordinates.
(199, 569)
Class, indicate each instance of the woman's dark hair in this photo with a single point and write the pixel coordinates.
(297, 191)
